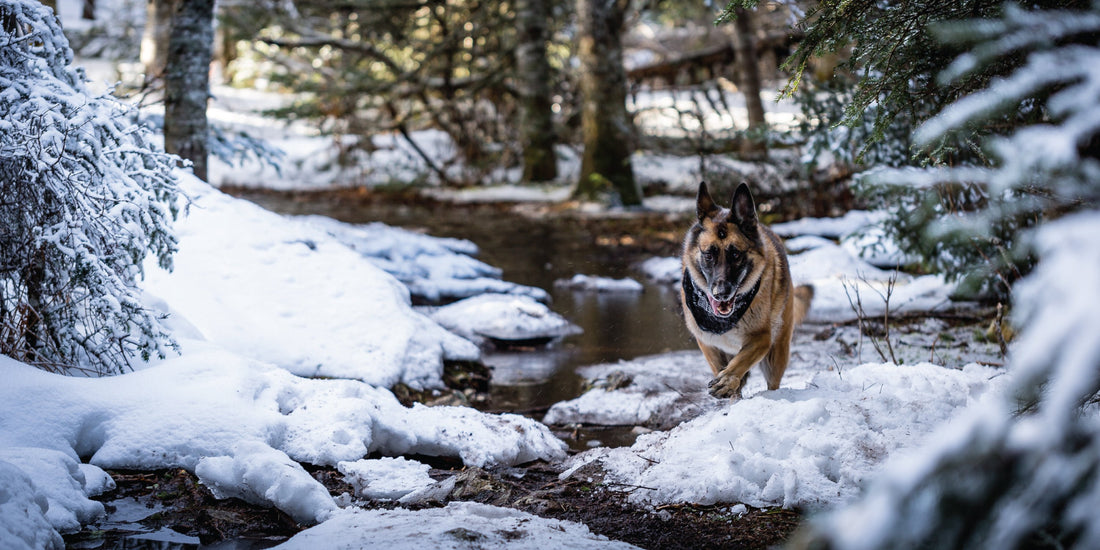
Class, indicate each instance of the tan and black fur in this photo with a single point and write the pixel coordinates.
(737, 295)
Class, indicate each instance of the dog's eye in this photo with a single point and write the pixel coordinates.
(710, 253)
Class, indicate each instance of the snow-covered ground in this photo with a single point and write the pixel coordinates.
(290, 332)
(293, 329)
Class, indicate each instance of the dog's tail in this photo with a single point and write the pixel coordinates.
(803, 295)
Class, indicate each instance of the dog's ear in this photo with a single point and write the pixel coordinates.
(704, 205)
(743, 209)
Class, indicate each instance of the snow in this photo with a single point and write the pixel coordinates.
(1057, 348)
(292, 328)
(23, 509)
(241, 426)
(265, 286)
(433, 268)
(385, 478)
(592, 283)
(498, 318)
(458, 525)
(662, 270)
(805, 447)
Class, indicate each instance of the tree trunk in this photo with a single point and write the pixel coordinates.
(753, 146)
(540, 163)
(187, 82)
(154, 39)
(87, 11)
(606, 125)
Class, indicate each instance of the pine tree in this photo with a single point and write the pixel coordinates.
(1024, 470)
(85, 195)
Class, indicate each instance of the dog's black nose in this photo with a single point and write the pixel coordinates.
(722, 290)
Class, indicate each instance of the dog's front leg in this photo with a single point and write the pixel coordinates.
(728, 382)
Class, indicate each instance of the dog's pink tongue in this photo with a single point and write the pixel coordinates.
(721, 309)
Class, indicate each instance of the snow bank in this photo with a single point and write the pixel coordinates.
(459, 525)
(242, 426)
(288, 293)
(434, 269)
(794, 447)
(503, 319)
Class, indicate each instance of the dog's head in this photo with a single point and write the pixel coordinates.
(722, 252)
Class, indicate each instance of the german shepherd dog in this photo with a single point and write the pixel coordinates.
(737, 295)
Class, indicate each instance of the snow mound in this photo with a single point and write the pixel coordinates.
(591, 283)
(23, 509)
(808, 447)
(261, 475)
(459, 525)
(241, 425)
(503, 319)
(289, 294)
(385, 478)
(435, 269)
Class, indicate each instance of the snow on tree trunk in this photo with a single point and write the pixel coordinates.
(606, 125)
(84, 196)
(533, 83)
(187, 83)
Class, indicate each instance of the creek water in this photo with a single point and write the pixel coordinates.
(537, 251)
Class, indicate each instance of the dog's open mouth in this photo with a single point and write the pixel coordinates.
(721, 309)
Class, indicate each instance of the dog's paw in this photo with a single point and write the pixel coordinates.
(724, 388)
